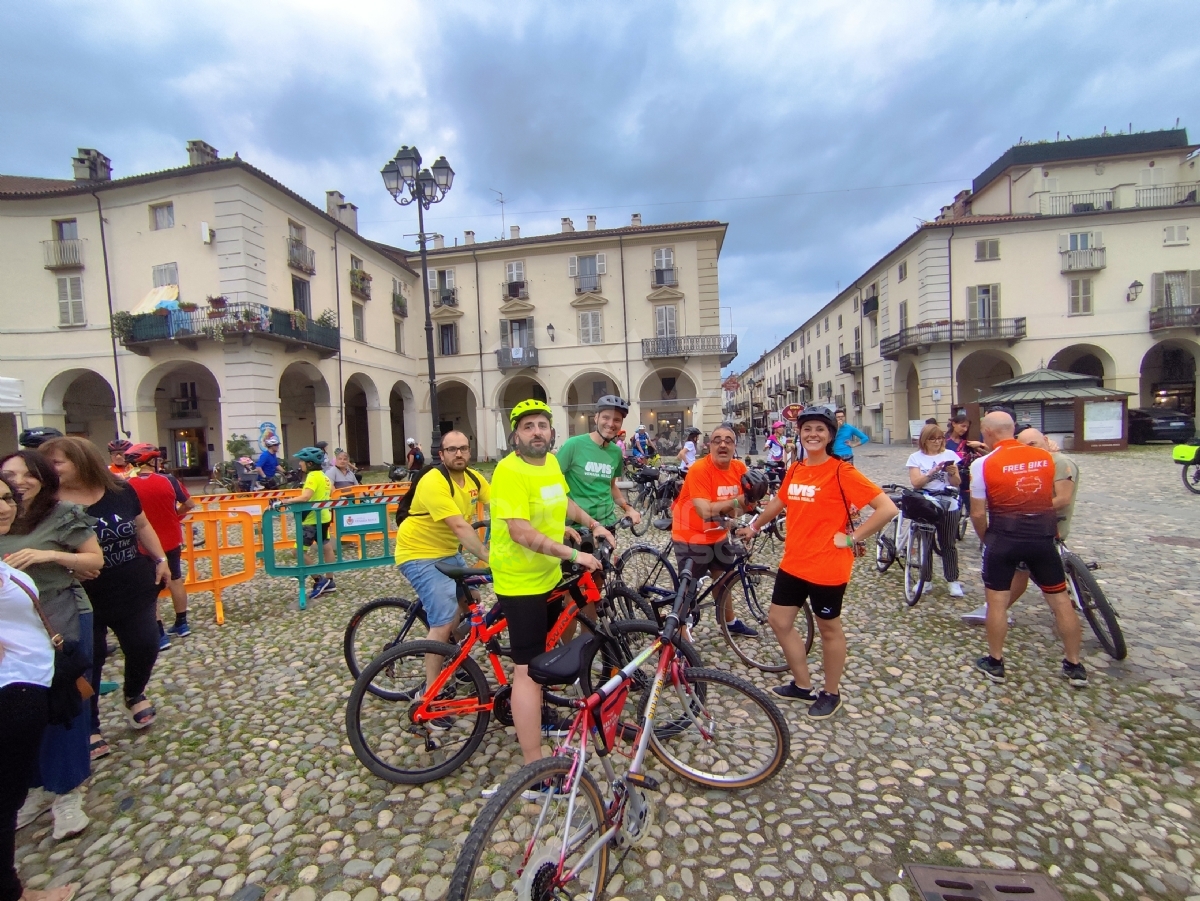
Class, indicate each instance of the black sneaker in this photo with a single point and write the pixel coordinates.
(1074, 673)
(993, 669)
(826, 706)
(794, 692)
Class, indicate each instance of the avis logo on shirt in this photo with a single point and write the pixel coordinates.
(802, 492)
(594, 468)
(724, 491)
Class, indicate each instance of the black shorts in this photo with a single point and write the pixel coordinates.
(173, 563)
(1003, 554)
(713, 559)
(529, 621)
(310, 533)
(792, 591)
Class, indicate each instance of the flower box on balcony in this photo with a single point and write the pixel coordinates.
(217, 303)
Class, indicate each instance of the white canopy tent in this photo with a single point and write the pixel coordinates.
(12, 396)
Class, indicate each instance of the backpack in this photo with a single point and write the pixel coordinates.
(418, 459)
(404, 508)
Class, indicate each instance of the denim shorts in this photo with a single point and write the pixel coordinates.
(437, 593)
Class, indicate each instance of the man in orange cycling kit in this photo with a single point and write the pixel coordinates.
(1012, 509)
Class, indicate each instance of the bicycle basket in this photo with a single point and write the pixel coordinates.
(920, 508)
(1186, 453)
(648, 474)
(610, 713)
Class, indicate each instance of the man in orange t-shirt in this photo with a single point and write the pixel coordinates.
(819, 494)
(712, 488)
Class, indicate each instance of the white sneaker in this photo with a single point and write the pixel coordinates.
(69, 818)
(956, 589)
(37, 802)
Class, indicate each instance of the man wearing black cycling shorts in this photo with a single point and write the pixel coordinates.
(1012, 510)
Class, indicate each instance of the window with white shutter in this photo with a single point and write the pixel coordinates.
(1150, 177)
(664, 321)
(360, 326)
(987, 250)
(398, 334)
(70, 300)
(590, 331)
(902, 271)
(1175, 235)
(516, 271)
(166, 274)
(1080, 300)
(902, 314)
(586, 270)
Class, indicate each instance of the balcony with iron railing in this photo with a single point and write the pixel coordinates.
(360, 283)
(851, 361)
(856, 398)
(587, 284)
(234, 321)
(508, 358)
(943, 331)
(1083, 260)
(514, 290)
(1166, 195)
(839, 401)
(804, 380)
(664, 278)
(399, 305)
(445, 297)
(870, 306)
(1175, 316)
(63, 254)
(1076, 202)
(304, 258)
(722, 346)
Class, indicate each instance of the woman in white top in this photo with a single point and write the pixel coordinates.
(687, 453)
(933, 468)
(26, 671)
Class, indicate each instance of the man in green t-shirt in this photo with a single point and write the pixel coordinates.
(530, 507)
(591, 464)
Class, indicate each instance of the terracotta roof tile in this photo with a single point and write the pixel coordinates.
(580, 235)
(28, 184)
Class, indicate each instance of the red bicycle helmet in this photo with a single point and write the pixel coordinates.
(141, 454)
(119, 446)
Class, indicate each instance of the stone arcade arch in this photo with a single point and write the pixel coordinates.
(1086, 359)
(667, 404)
(1168, 375)
(457, 406)
(581, 396)
(303, 392)
(979, 371)
(81, 402)
(360, 397)
(179, 408)
(402, 412)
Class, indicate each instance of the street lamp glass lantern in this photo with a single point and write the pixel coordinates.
(408, 159)
(443, 174)
(427, 185)
(391, 178)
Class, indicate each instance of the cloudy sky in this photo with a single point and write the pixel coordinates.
(822, 131)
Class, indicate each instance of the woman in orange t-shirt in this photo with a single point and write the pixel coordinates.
(818, 554)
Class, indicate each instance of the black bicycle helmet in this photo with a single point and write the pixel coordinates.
(693, 432)
(612, 402)
(755, 485)
(36, 437)
(819, 413)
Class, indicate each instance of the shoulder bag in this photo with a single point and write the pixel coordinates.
(70, 686)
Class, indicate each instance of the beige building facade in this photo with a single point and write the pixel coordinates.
(1077, 255)
(185, 306)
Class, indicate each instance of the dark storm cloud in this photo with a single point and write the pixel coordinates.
(570, 109)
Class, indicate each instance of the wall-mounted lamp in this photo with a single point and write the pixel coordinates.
(1134, 291)
(550, 330)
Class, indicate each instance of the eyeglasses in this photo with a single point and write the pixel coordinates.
(465, 449)
(722, 441)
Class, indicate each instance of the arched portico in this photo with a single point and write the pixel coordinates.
(81, 402)
(304, 400)
(362, 424)
(1168, 375)
(979, 371)
(179, 409)
(667, 404)
(457, 407)
(402, 415)
(1086, 359)
(581, 395)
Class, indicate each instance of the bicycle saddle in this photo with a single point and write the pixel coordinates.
(459, 573)
(562, 665)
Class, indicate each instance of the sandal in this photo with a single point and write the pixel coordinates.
(99, 748)
(143, 718)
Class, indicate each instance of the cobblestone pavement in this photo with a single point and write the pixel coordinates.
(246, 787)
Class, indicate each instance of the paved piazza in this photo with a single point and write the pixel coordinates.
(247, 788)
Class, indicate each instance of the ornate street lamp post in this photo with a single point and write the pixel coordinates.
(406, 181)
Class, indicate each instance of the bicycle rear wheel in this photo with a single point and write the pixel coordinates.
(915, 564)
(648, 571)
(621, 603)
(379, 715)
(1089, 598)
(750, 593)
(1191, 477)
(377, 626)
(885, 547)
(641, 503)
(513, 849)
(736, 737)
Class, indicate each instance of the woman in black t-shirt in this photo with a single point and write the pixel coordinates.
(124, 593)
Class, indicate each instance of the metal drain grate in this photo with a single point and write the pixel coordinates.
(973, 884)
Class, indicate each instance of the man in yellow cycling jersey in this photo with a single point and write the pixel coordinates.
(530, 506)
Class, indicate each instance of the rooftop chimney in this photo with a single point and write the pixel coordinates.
(514, 231)
(201, 153)
(92, 165)
(635, 219)
(438, 242)
(337, 207)
(468, 237)
(591, 223)
(567, 225)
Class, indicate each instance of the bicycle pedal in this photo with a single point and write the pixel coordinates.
(641, 780)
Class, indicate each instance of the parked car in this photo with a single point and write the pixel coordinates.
(1157, 424)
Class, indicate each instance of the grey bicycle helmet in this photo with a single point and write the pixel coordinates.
(818, 413)
(612, 402)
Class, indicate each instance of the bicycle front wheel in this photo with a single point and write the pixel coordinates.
(1089, 598)
(1191, 477)
(641, 503)
(885, 547)
(513, 849)
(621, 603)
(377, 626)
(735, 735)
(915, 565)
(748, 633)
(380, 715)
(647, 570)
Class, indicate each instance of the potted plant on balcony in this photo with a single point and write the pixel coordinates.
(122, 326)
(327, 319)
(299, 320)
(188, 306)
(217, 302)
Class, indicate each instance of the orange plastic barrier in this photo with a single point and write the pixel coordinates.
(221, 547)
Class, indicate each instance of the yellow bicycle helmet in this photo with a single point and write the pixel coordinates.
(526, 407)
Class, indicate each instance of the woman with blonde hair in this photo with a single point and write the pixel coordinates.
(933, 469)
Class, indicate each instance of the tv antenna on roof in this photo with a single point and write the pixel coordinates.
(500, 200)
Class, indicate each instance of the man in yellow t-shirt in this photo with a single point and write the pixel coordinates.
(439, 520)
(530, 507)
